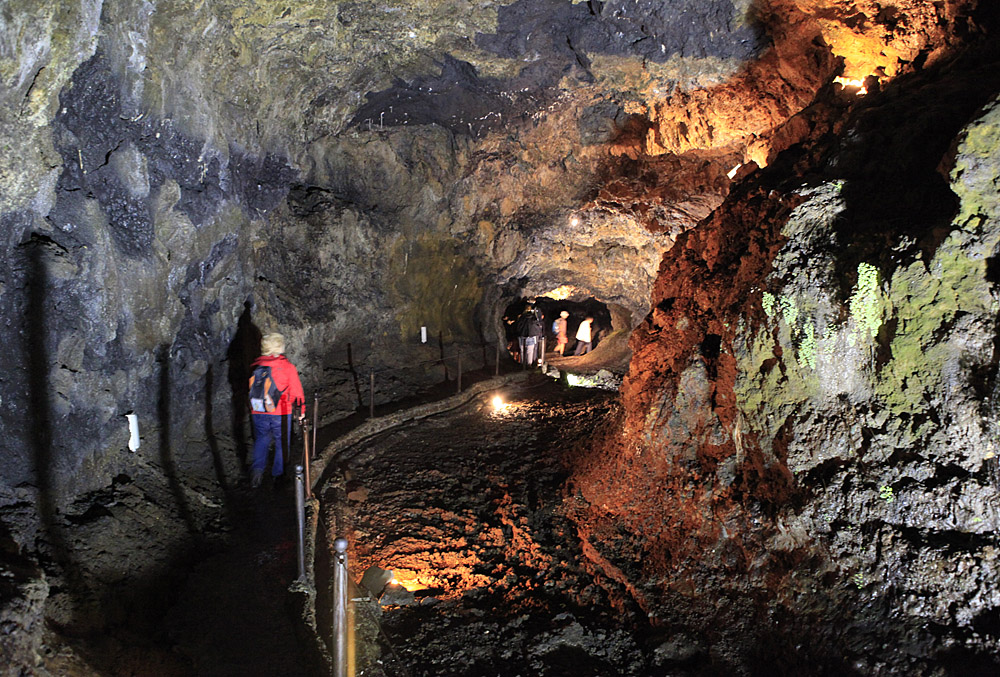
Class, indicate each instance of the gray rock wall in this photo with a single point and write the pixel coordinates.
(168, 165)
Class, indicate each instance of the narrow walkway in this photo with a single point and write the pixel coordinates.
(434, 393)
(232, 617)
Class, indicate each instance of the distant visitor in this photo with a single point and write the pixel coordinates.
(530, 331)
(559, 329)
(584, 336)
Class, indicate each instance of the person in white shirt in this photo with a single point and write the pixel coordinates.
(583, 337)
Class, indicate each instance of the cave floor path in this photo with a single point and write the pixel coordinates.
(472, 513)
(232, 617)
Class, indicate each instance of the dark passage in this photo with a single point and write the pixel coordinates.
(232, 616)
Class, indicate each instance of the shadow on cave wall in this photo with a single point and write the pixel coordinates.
(164, 414)
(355, 379)
(78, 605)
(40, 417)
(243, 349)
(218, 463)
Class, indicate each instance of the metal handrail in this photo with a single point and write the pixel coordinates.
(340, 625)
(300, 514)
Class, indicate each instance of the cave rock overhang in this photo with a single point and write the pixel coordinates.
(586, 255)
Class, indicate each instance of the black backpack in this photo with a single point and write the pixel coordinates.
(537, 326)
(264, 395)
(523, 324)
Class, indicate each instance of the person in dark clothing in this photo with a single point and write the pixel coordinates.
(530, 331)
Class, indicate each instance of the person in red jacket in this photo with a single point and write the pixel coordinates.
(271, 422)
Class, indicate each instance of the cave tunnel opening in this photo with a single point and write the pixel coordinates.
(605, 321)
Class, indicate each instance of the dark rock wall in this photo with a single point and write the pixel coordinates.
(132, 278)
(809, 427)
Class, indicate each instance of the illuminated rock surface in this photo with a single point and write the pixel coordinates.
(807, 440)
(467, 511)
(808, 411)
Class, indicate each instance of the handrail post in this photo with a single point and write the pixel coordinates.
(315, 420)
(300, 513)
(307, 452)
(340, 629)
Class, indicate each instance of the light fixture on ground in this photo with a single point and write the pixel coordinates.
(375, 579)
(408, 579)
(499, 404)
(852, 83)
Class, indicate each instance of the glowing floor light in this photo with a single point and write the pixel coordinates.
(410, 581)
(499, 404)
(852, 82)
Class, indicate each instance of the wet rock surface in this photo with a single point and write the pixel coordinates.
(470, 512)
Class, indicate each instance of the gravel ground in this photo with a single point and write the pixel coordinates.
(470, 512)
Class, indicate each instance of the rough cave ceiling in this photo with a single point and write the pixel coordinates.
(631, 111)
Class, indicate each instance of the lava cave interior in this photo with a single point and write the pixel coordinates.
(782, 457)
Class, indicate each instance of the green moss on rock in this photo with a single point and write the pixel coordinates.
(866, 303)
(433, 284)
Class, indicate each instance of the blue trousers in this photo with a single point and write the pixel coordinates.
(268, 427)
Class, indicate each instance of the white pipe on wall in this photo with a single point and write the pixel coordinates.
(133, 431)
